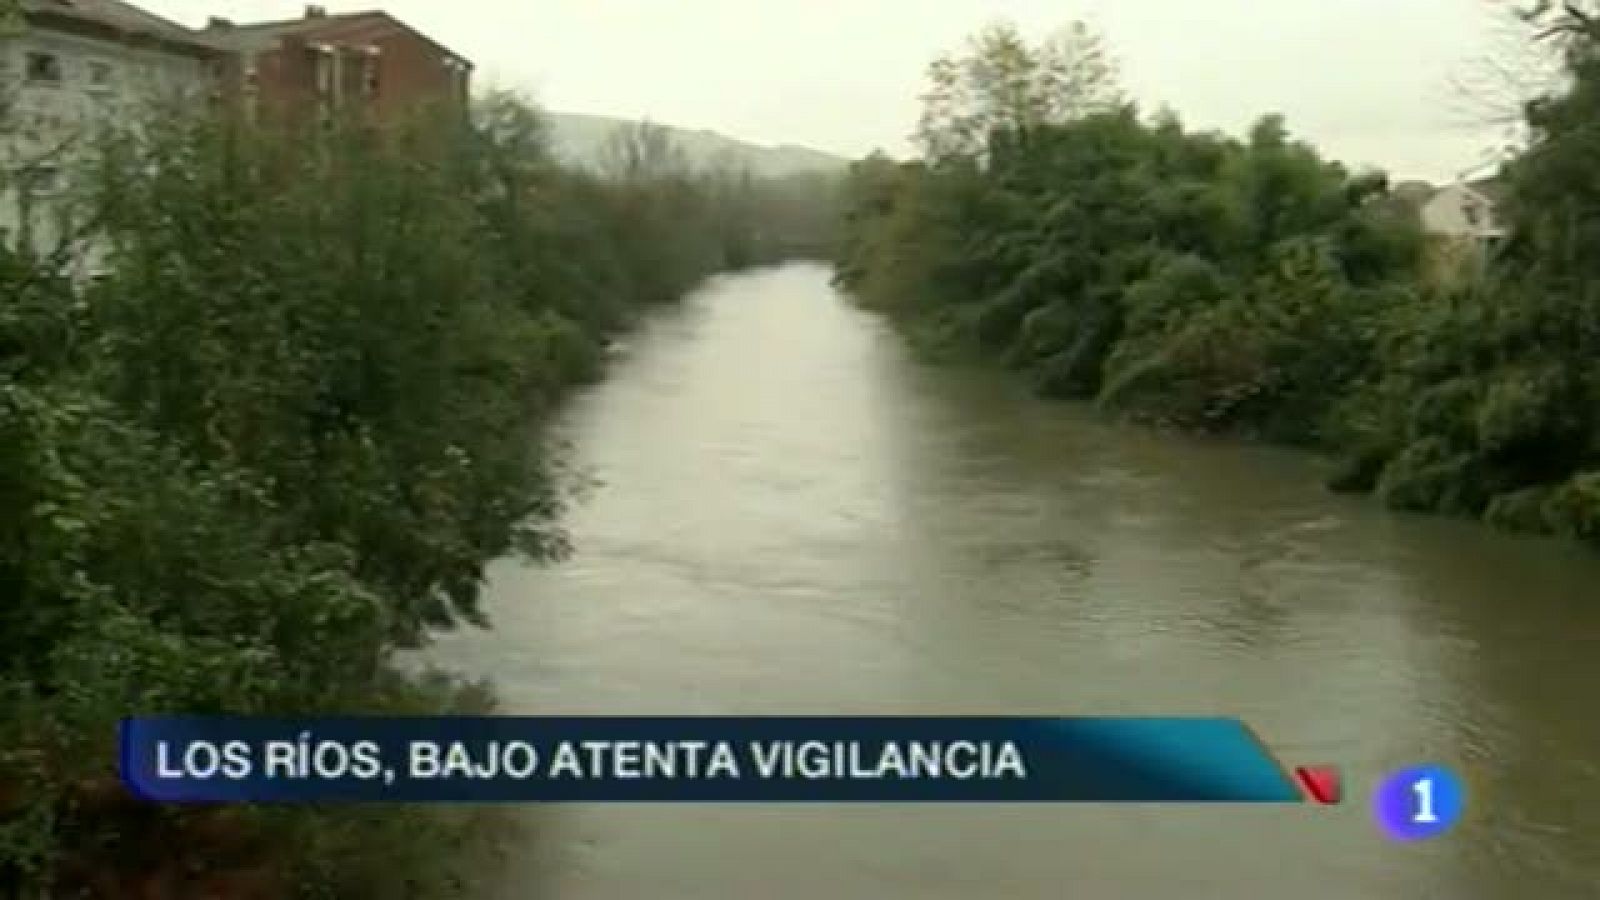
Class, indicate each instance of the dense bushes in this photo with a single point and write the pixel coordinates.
(1188, 278)
(277, 440)
(1483, 400)
(1249, 286)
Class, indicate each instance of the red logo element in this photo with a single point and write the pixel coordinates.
(1321, 784)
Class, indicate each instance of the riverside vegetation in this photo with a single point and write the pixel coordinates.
(1250, 286)
(273, 444)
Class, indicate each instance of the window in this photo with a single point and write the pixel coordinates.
(100, 74)
(40, 179)
(252, 92)
(44, 68)
(327, 97)
(324, 70)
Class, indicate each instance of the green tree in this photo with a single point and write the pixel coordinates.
(1192, 278)
(275, 441)
(1002, 83)
(1484, 402)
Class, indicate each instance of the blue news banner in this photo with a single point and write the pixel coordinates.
(460, 759)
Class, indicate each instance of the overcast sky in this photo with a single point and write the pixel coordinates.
(1367, 80)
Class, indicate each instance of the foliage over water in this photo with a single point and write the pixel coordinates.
(275, 441)
(1250, 286)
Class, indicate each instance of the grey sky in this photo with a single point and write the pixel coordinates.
(1367, 80)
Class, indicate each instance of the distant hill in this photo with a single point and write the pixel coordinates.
(581, 140)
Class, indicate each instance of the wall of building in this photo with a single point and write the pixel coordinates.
(412, 71)
(373, 64)
(46, 123)
(1459, 211)
(384, 67)
(1451, 261)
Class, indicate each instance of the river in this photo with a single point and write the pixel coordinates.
(791, 515)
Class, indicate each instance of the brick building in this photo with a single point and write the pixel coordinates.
(71, 67)
(326, 65)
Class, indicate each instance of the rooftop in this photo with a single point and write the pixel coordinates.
(315, 21)
(115, 15)
(1415, 193)
(228, 33)
(1492, 189)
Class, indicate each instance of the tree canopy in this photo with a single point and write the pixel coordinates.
(1250, 285)
(1001, 83)
(275, 441)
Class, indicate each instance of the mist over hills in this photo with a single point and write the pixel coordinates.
(581, 139)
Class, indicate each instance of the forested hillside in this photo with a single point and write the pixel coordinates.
(583, 140)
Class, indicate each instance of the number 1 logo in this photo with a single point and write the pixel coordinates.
(1425, 814)
(1419, 802)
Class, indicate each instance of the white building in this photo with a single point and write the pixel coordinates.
(68, 69)
(1466, 211)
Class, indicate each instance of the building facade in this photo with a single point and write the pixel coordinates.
(1466, 211)
(1464, 227)
(71, 68)
(321, 66)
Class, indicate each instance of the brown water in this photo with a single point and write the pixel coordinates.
(795, 517)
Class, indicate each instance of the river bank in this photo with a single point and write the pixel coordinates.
(1250, 285)
(272, 447)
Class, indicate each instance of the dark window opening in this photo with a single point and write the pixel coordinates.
(44, 68)
(43, 179)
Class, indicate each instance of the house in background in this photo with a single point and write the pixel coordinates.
(1466, 211)
(1464, 224)
(324, 65)
(1462, 221)
(69, 66)
(72, 66)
